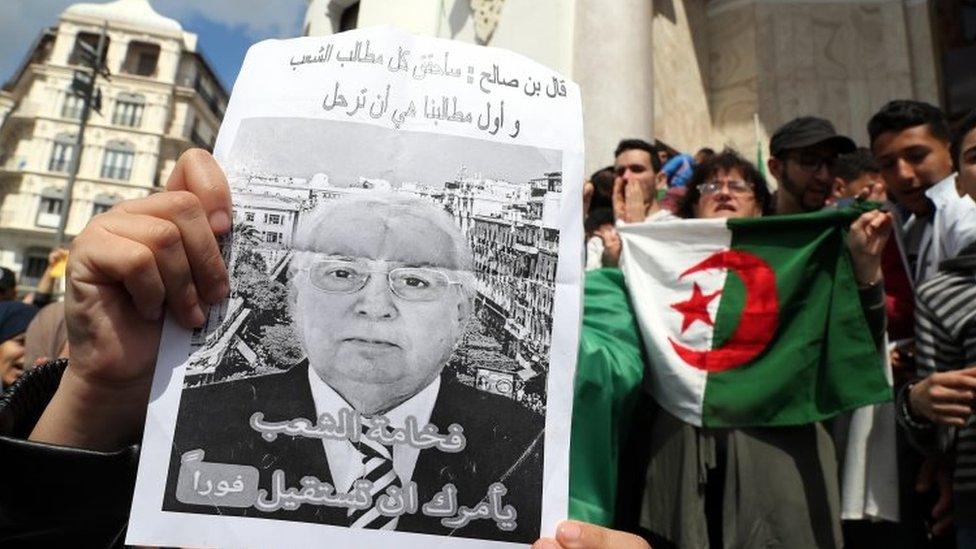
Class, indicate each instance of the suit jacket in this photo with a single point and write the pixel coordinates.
(504, 444)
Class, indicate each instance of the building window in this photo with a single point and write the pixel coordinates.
(248, 216)
(72, 107)
(50, 209)
(128, 110)
(272, 237)
(273, 219)
(61, 153)
(103, 203)
(349, 19)
(141, 59)
(35, 263)
(91, 39)
(117, 163)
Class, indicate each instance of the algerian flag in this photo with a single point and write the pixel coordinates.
(751, 322)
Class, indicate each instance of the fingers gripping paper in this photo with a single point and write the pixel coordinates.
(394, 365)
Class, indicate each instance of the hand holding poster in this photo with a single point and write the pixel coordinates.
(395, 362)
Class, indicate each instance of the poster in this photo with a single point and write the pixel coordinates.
(394, 365)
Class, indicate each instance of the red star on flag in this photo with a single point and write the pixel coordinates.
(695, 308)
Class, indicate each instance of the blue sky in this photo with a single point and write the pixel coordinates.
(226, 28)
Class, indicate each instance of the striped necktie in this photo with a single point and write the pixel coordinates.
(378, 469)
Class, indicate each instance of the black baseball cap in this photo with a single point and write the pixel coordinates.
(806, 131)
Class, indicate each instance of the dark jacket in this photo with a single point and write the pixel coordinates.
(504, 444)
(54, 496)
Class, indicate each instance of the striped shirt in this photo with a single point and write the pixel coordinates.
(945, 338)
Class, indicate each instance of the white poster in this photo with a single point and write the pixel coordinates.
(394, 366)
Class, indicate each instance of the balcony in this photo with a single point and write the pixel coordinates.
(27, 109)
(48, 220)
(189, 133)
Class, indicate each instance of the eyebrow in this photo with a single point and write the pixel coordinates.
(413, 264)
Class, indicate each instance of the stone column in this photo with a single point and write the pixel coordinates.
(612, 63)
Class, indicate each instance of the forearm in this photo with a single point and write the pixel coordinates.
(873, 303)
(46, 284)
(84, 415)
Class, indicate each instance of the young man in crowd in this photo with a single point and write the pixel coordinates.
(638, 176)
(936, 410)
(803, 154)
(910, 141)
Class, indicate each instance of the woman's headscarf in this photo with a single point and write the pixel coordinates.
(46, 335)
(14, 318)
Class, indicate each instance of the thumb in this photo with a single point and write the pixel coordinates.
(580, 535)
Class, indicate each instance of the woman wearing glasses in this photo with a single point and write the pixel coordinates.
(726, 186)
(730, 487)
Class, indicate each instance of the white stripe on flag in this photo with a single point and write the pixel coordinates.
(655, 254)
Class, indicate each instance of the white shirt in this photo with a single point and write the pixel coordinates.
(346, 463)
(951, 228)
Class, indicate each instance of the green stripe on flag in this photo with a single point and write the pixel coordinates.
(608, 381)
(821, 359)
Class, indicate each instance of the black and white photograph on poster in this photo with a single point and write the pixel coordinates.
(394, 364)
(381, 362)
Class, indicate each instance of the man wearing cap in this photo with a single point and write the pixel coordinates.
(803, 153)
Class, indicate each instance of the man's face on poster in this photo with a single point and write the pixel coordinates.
(379, 303)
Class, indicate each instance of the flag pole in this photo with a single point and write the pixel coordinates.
(759, 145)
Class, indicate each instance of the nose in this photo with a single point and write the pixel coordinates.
(905, 172)
(375, 300)
(723, 192)
(823, 172)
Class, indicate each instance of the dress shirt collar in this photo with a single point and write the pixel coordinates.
(345, 461)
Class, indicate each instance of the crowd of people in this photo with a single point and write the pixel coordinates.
(784, 486)
(913, 256)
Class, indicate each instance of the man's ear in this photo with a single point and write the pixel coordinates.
(839, 185)
(465, 308)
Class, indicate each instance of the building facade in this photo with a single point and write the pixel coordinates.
(717, 73)
(161, 98)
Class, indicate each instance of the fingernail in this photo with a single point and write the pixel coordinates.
(197, 317)
(569, 531)
(224, 289)
(219, 221)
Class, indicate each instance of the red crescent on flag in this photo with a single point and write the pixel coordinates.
(758, 320)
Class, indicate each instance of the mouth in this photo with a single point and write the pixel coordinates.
(725, 208)
(371, 343)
